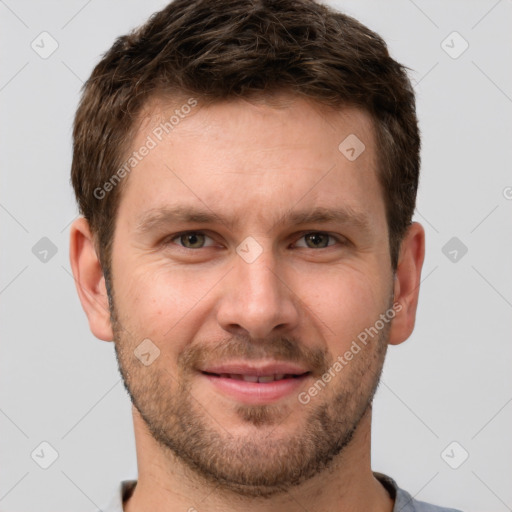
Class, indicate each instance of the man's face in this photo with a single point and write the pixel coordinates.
(249, 247)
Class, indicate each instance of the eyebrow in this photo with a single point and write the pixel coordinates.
(162, 217)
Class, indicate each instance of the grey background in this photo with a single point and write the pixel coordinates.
(450, 382)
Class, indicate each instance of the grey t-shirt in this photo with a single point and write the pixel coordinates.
(404, 502)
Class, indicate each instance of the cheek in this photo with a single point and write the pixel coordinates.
(346, 302)
(159, 301)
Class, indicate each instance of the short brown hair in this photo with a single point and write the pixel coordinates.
(217, 50)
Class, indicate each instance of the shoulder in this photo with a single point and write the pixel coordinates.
(404, 502)
(123, 491)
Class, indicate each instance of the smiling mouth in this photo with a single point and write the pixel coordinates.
(258, 378)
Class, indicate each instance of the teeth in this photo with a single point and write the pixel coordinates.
(235, 376)
(266, 378)
(250, 378)
(256, 378)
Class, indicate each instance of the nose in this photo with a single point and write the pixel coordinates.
(256, 299)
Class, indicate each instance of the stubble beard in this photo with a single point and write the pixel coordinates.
(261, 463)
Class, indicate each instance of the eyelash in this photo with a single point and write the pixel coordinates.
(170, 239)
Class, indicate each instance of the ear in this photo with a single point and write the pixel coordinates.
(407, 283)
(89, 279)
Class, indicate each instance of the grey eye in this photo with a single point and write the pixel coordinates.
(193, 240)
(316, 240)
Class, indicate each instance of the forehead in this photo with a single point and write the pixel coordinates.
(253, 159)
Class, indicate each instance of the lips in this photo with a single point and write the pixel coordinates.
(256, 383)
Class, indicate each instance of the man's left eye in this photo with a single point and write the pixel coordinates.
(316, 240)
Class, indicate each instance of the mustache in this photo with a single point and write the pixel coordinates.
(278, 348)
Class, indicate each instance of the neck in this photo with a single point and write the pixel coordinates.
(165, 483)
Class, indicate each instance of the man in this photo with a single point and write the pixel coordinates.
(247, 174)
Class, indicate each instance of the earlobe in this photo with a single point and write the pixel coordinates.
(89, 279)
(407, 283)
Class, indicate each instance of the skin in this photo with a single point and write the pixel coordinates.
(251, 163)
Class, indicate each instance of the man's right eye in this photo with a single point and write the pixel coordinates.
(192, 240)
